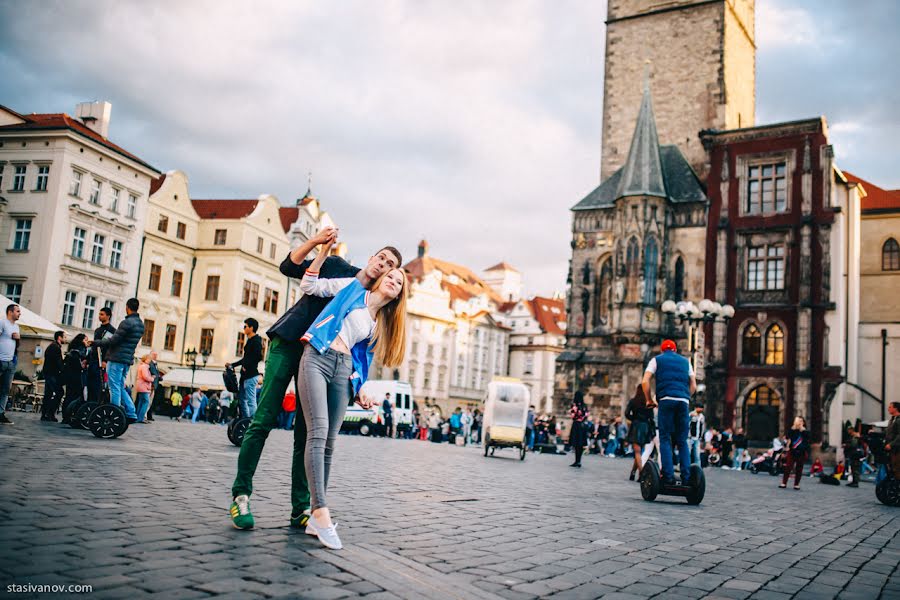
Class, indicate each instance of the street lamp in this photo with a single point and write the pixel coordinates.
(191, 356)
(705, 311)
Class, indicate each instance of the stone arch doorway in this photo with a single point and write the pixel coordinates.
(762, 410)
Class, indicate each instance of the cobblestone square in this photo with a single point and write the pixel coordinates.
(146, 515)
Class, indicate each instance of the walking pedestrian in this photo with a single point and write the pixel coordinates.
(740, 444)
(621, 435)
(53, 377)
(9, 346)
(154, 370)
(675, 384)
(529, 428)
(797, 453)
(640, 433)
(120, 356)
(388, 414)
(175, 405)
(144, 387)
(854, 453)
(577, 437)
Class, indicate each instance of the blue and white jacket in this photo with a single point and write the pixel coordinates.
(324, 330)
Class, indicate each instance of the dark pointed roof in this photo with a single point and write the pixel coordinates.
(642, 174)
(651, 169)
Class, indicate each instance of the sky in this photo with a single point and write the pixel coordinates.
(474, 125)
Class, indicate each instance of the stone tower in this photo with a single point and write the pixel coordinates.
(703, 57)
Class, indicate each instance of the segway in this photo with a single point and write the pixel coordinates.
(237, 427)
(888, 489)
(652, 485)
(105, 420)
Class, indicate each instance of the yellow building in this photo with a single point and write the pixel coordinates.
(879, 305)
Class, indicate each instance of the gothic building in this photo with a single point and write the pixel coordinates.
(638, 239)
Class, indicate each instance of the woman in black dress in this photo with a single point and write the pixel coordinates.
(578, 436)
(640, 433)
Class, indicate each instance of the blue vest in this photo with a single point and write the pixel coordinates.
(673, 376)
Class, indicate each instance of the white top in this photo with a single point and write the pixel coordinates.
(7, 343)
(358, 325)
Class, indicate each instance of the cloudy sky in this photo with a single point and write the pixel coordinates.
(475, 125)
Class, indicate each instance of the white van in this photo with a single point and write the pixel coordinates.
(368, 421)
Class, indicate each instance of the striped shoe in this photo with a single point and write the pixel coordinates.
(241, 517)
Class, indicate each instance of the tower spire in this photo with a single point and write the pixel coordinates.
(642, 173)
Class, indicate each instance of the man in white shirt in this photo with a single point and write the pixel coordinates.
(9, 344)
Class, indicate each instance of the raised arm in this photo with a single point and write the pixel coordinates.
(291, 265)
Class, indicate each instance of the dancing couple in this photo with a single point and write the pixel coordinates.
(347, 318)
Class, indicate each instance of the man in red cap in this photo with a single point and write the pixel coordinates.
(675, 384)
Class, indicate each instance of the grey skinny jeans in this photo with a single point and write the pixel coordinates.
(324, 385)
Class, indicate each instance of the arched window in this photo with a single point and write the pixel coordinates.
(651, 259)
(761, 414)
(751, 350)
(775, 345)
(633, 265)
(890, 255)
(678, 281)
(604, 292)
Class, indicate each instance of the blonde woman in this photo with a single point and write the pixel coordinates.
(355, 327)
(143, 385)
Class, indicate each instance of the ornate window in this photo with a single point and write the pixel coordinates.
(651, 258)
(766, 188)
(775, 345)
(604, 292)
(751, 348)
(890, 255)
(633, 265)
(765, 267)
(678, 280)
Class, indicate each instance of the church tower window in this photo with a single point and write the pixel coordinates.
(633, 265)
(651, 260)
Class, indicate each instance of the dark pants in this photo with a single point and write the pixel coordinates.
(674, 421)
(389, 426)
(94, 382)
(53, 393)
(795, 464)
(282, 363)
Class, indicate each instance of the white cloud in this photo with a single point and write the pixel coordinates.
(780, 27)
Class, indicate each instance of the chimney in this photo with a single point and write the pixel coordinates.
(423, 249)
(95, 115)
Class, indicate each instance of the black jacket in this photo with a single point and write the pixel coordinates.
(121, 345)
(252, 355)
(53, 361)
(294, 323)
(99, 334)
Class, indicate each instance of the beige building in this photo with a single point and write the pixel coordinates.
(879, 305)
(456, 343)
(72, 207)
(704, 72)
(207, 266)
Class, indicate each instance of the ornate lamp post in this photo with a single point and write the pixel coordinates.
(191, 356)
(705, 311)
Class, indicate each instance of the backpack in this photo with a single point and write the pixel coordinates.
(230, 379)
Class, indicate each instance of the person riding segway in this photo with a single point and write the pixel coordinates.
(675, 384)
(247, 388)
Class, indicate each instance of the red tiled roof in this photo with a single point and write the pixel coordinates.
(224, 209)
(38, 121)
(876, 198)
(157, 183)
(543, 311)
(502, 266)
(288, 216)
(468, 284)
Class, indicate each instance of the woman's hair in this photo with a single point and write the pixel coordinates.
(77, 342)
(802, 420)
(639, 397)
(145, 358)
(579, 398)
(390, 328)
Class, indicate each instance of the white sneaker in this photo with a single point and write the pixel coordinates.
(327, 535)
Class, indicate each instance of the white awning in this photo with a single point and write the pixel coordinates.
(31, 322)
(204, 378)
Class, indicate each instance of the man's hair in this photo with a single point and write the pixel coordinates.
(11, 307)
(106, 310)
(253, 323)
(395, 252)
(133, 305)
(896, 405)
(58, 335)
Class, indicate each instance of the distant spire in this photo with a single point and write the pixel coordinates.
(642, 173)
(309, 184)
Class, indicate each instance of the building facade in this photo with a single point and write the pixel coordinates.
(703, 57)
(782, 234)
(637, 240)
(879, 306)
(72, 208)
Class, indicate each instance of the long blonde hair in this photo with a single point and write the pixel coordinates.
(390, 328)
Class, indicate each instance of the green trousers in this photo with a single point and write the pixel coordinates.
(282, 363)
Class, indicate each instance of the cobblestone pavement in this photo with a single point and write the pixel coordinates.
(147, 515)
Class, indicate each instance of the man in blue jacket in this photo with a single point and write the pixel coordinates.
(675, 384)
(120, 347)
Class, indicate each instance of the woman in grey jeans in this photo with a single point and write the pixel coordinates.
(353, 329)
